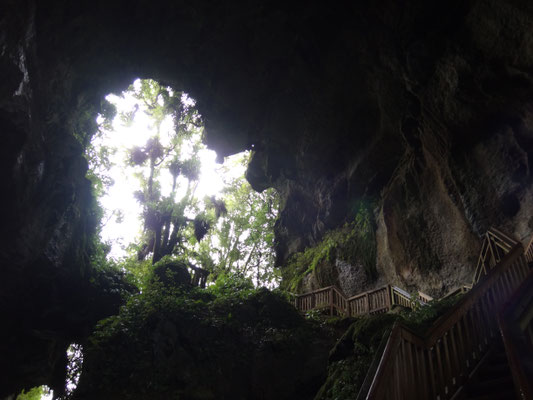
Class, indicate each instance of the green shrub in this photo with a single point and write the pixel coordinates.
(355, 242)
(231, 283)
(352, 356)
(172, 272)
(33, 394)
(423, 317)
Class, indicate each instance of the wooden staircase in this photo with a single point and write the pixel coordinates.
(493, 379)
(480, 349)
(456, 357)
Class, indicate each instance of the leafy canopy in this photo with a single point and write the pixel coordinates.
(227, 234)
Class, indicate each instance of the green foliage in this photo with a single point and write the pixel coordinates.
(155, 298)
(352, 356)
(231, 234)
(176, 129)
(202, 224)
(34, 394)
(423, 317)
(304, 263)
(167, 342)
(243, 240)
(230, 283)
(355, 242)
(98, 157)
(74, 368)
(167, 224)
(315, 315)
(172, 272)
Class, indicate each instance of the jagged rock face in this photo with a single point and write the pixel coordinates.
(447, 146)
(423, 108)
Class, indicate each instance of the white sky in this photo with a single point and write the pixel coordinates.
(120, 194)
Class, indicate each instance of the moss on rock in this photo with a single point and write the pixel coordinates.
(352, 355)
(354, 243)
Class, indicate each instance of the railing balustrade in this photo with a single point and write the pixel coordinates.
(375, 301)
(199, 276)
(516, 326)
(529, 251)
(435, 366)
(493, 248)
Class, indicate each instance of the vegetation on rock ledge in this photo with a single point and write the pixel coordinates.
(187, 343)
(354, 243)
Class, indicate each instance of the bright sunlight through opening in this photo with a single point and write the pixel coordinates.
(163, 195)
(122, 220)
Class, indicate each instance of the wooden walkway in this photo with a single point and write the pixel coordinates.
(440, 363)
(499, 303)
(375, 301)
(495, 246)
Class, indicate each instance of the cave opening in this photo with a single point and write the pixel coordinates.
(162, 196)
(162, 199)
(74, 364)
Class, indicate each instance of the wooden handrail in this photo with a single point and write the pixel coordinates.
(435, 366)
(516, 326)
(459, 290)
(373, 366)
(424, 298)
(495, 245)
(529, 251)
(501, 237)
(445, 322)
(374, 301)
(328, 297)
(493, 248)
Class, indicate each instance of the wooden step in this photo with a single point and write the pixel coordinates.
(494, 371)
(497, 396)
(502, 386)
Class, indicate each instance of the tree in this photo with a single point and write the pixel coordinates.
(167, 217)
(237, 227)
(243, 240)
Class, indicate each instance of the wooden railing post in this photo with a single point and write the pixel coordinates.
(453, 345)
(515, 322)
(331, 294)
(435, 366)
(529, 251)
